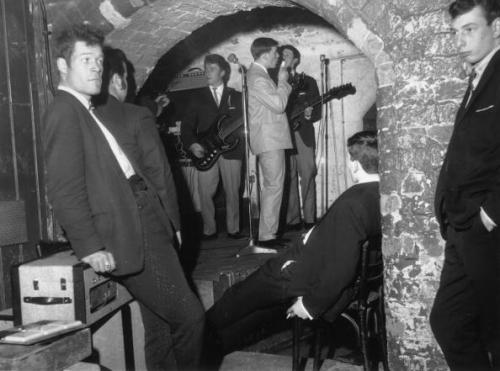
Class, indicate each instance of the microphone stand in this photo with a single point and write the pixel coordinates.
(252, 247)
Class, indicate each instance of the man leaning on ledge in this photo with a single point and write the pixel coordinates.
(107, 192)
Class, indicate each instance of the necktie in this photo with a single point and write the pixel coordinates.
(216, 97)
(470, 87)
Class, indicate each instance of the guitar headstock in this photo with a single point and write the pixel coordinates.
(340, 92)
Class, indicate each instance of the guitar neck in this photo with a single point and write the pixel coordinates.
(338, 92)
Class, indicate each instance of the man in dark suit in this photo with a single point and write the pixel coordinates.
(301, 159)
(465, 315)
(317, 270)
(206, 105)
(114, 197)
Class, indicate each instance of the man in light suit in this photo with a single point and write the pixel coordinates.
(269, 133)
(113, 195)
(465, 317)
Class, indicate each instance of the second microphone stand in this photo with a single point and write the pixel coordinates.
(252, 247)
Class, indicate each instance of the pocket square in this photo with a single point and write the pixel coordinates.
(485, 108)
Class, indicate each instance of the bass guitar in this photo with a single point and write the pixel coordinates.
(296, 117)
(216, 141)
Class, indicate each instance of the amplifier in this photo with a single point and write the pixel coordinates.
(60, 287)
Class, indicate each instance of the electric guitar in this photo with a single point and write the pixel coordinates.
(215, 141)
(296, 117)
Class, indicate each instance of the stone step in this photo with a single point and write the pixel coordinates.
(251, 361)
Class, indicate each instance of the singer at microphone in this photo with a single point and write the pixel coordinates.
(269, 134)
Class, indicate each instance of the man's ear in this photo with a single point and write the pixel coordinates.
(496, 27)
(62, 65)
(355, 166)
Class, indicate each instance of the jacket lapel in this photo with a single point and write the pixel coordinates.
(485, 78)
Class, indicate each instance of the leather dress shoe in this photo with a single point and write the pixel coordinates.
(275, 242)
(308, 226)
(294, 227)
(236, 236)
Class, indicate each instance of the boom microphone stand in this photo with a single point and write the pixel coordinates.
(251, 248)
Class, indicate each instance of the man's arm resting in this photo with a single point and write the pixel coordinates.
(101, 261)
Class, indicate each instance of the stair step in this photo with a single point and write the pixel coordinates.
(251, 361)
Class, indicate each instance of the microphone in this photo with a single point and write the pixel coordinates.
(232, 58)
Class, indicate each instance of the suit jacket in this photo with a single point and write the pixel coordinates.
(326, 266)
(202, 113)
(303, 94)
(269, 130)
(470, 175)
(142, 141)
(90, 196)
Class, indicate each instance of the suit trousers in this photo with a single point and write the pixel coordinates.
(230, 172)
(302, 165)
(465, 317)
(266, 287)
(272, 178)
(173, 316)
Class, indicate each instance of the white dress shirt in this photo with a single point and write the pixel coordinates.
(217, 93)
(122, 159)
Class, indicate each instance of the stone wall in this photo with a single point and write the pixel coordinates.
(419, 85)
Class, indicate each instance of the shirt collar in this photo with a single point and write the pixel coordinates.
(219, 88)
(480, 66)
(83, 100)
(261, 66)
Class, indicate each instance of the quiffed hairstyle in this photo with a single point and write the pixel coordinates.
(491, 8)
(64, 41)
(261, 46)
(221, 62)
(296, 53)
(363, 148)
(115, 62)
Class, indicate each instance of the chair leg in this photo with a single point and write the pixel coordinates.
(364, 339)
(382, 335)
(297, 330)
(317, 348)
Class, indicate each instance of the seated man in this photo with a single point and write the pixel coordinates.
(317, 270)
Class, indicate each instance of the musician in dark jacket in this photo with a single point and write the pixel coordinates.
(317, 270)
(301, 159)
(205, 107)
(466, 314)
(111, 190)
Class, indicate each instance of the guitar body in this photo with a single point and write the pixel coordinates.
(215, 141)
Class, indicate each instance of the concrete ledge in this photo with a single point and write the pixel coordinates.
(250, 361)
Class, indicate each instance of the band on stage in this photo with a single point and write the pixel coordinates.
(282, 106)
